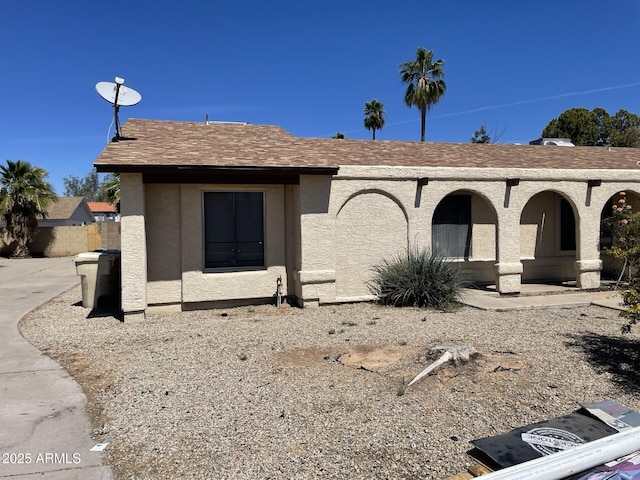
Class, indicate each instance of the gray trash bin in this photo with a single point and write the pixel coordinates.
(100, 276)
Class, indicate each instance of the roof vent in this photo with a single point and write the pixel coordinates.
(221, 122)
(558, 142)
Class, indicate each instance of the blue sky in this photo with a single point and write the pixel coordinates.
(308, 67)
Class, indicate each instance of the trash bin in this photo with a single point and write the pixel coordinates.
(100, 276)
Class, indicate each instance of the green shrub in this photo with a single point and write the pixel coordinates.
(631, 300)
(418, 278)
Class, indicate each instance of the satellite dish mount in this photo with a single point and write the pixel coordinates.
(118, 95)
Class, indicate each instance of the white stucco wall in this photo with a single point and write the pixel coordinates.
(164, 260)
(199, 285)
(483, 220)
(491, 192)
(292, 239)
(370, 227)
(323, 235)
(134, 245)
(317, 274)
(538, 224)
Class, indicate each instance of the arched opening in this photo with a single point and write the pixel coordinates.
(463, 228)
(548, 239)
(626, 200)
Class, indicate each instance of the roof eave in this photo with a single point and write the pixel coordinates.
(215, 169)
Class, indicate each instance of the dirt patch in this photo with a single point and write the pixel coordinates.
(405, 361)
(379, 358)
(306, 357)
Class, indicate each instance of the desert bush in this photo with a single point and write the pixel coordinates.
(418, 278)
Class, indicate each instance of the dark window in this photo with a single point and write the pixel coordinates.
(451, 229)
(234, 229)
(567, 226)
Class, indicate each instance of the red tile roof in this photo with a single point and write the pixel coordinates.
(154, 143)
(101, 207)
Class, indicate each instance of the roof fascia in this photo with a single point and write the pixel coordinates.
(215, 170)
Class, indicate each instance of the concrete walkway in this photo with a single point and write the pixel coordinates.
(541, 296)
(44, 428)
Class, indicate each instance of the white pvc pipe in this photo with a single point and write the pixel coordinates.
(559, 465)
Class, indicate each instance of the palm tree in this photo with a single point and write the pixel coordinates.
(111, 190)
(425, 79)
(24, 195)
(374, 116)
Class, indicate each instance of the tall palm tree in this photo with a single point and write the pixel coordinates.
(374, 116)
(25, 194)
(425, 83)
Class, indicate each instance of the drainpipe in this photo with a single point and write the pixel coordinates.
(562, 464)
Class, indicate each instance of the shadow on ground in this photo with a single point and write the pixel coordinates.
(107, 309)
(617, 355)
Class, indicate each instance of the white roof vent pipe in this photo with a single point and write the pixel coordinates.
(221, 122)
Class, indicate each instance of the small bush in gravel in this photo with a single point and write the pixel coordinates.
(418, 278)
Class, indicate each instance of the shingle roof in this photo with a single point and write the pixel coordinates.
(169, 143)
(99, 207)
(63, 208)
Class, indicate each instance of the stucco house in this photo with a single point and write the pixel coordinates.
(67, 211)
(104, 211)
(215, 212)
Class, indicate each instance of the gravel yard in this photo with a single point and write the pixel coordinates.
(266, 393)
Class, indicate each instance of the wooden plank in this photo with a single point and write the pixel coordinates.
(475, 470)
(460, 476)
(478, 470)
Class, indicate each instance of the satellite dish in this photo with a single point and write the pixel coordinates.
(118, 96)
(114, 92)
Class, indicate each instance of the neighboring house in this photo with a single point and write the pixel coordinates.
(67, 230)
(67, 211)
(218, 212)
(104, 211)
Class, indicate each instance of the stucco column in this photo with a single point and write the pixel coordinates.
(509, 267)
(134, 245)
(588, 264)
(317, 275)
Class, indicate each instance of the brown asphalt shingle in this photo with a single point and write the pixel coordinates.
(63, 208)
(170, 143)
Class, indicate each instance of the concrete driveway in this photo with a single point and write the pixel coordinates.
(44, 428)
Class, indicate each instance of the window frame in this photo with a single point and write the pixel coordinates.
(206, 269)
